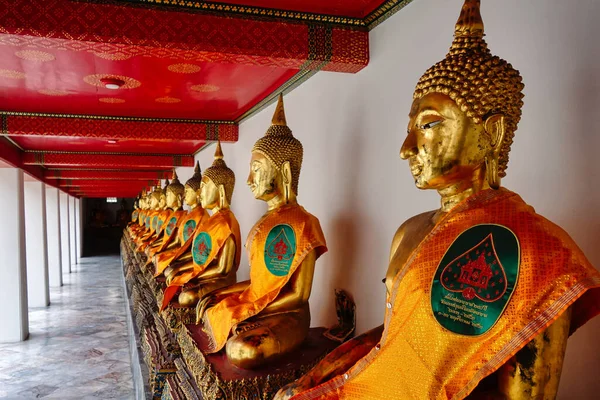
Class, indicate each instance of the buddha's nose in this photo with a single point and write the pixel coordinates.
(409, 147)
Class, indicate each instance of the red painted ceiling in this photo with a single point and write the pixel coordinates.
(83, 144)
(67, 82)
(189, 78)
(346, 8)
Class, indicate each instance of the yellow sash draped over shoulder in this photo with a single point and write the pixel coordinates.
(219, 227)
(417, 358)
(170, 234)
(163, 259)
(264, 285)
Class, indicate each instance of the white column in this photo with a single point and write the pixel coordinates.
(14, 322)
(38, 290)
(53, 236)
(78, 229)
(72, 233)
(65, 253)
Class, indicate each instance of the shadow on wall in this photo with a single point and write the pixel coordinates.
(583, 349)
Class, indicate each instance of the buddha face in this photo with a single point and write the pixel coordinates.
(263, 178)
(190, 196)
(444, 146)
(162, 201)
(172, 199)
(209, 193)
(154, 201)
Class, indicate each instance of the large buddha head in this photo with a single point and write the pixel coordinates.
(175, 193)
(192, 186)
(465, 112)
(162, 200)
(218, 181)
(276, 161)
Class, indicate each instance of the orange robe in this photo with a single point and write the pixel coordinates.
(208, 241)
(418, 358)
(170, 232)
(161, 224)
(277, 245)
(185, 233)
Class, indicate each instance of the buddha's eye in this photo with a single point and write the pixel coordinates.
(429, 125)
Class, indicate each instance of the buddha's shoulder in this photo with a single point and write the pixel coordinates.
(412, 226)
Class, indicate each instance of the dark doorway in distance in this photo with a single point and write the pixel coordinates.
(103, 224)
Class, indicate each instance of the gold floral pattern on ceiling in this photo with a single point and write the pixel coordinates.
(111, 100)
(117, 56)
(167, 100)
(35, 55)
(183, 68)
(205, 88)
(11, 74)
(53, 92)
(96, 80)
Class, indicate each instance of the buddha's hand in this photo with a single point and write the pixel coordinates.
(206, 302)
(290, 390)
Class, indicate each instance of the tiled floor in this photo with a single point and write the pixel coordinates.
(78, 347)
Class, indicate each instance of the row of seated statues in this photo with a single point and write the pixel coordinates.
(481, 294)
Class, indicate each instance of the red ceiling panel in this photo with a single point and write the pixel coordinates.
(346, 8)
(100, 175)
(41, 143)
(100, 160)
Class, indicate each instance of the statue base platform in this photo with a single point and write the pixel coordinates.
(217, 378)
(172, 347)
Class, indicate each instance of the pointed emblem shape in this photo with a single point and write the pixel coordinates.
(171, 226)
(475, 279)
(188, 229)
(201, 248)
(280, 249)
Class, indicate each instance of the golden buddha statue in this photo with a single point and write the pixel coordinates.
(174, 193)
(216, 247)
(268, 315)
(159, 205)
(141, 209)
(178, 247)
(483, 292)
(144, 217)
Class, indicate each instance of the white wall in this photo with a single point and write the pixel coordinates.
(352, 127)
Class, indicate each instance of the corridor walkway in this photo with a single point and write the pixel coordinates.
(78, 347)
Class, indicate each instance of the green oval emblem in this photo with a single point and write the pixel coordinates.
(171, 226)
(154, 222)
(188, 229)
(475, 279)
(280, 249)
(134, 216)
(159, 224)
(201, 248)
(147, 222)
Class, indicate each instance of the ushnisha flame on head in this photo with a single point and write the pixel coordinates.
(194, 181)
(279, 145)
(481, 84)
(175, 187)
(220, 174)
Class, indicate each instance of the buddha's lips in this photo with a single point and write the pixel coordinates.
(416, 169)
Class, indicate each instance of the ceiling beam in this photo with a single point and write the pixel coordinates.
(119, 128)
(125, 31)
(106, 175)
(103, 160)
(90, 184)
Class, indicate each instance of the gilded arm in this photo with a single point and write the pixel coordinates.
(226, 259)
(297, 291)
(534, 372)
